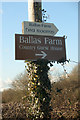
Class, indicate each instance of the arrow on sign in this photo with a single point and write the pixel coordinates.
(43, 54)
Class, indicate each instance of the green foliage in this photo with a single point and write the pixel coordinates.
(39, 88)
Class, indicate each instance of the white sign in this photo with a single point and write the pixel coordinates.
(37, 28)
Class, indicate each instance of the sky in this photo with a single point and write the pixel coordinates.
(63, 14)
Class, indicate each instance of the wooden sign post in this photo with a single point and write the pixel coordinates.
(38, 44)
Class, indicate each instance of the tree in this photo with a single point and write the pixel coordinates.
(20, 82)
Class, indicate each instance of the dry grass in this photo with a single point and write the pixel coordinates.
(11, 95)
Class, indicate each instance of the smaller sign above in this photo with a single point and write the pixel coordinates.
(37, 28)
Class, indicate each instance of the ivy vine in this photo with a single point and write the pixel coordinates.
(39, 89)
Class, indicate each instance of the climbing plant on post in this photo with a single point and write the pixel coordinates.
(39, 86)
(39, 89)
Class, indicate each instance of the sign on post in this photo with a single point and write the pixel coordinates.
(36, 28)
(33, 47)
